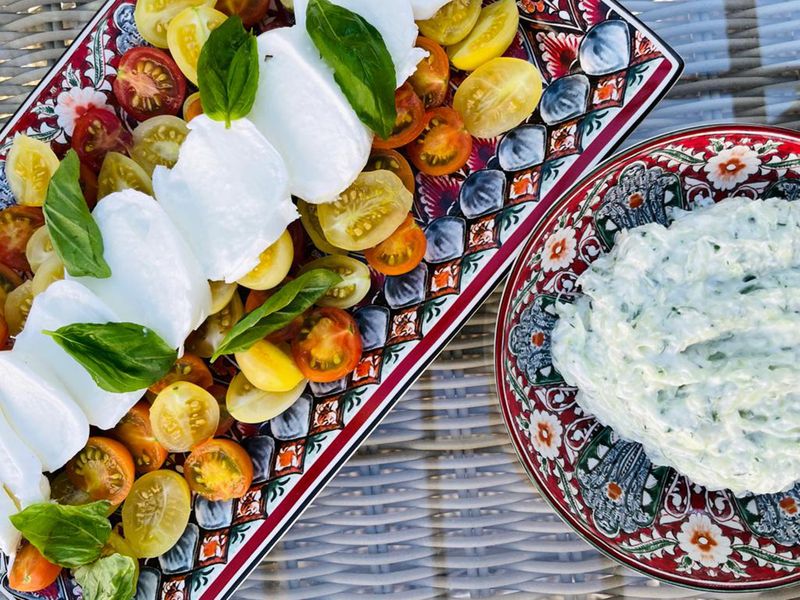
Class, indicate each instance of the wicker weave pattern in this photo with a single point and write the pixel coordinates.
(435, 504)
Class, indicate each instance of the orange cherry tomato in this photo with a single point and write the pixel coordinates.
(97, 132)
(226, 420)
(250, 11)
(149, 83)
(392, 160)
(104, 469)
(432, 77)
(401, 252)
(444, 145)
(192, 107)
(17, 224)
(136, 433)
(218, 470)
(410, 119)
(188, 367)
(32, 572)
(89, 185)
(255, 299)
(328, 346)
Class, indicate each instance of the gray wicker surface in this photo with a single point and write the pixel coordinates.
(435, 504)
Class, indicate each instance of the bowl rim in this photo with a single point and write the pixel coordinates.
(500, 339)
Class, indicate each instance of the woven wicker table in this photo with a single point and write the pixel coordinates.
(435, 504)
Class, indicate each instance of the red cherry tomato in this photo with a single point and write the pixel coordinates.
(250, 11)
(98, 132)
(149, 83)
(444, 145)
(401, 252)
(88, 183)
(410, 119)
(392, 160)
(32, 572)
(17, 224)
(432, 77)
(328, 346)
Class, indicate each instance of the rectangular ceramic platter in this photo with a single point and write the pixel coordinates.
(603, 71)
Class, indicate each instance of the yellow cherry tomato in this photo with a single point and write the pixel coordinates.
(498, 96)
(39, 248)
(273, 265)
(122, 173)
(157, 141)
(186, 34)
(183, 415)
(50, 271)
(248, 404)
(452, 23)
(29, 166)
(206, 339)
(493, 33)
(268, 367)
(367, 212)
(355, 285)
(153, 16)
(156, 512)
(17, 306)
(221, 295)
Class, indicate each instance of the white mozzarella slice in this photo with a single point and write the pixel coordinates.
(48, 420)
(20, 468)
(9, 536)
(394, 20)
(301, 110)
(155, 280)
(228, 195)
(425, 9)
(64, 303)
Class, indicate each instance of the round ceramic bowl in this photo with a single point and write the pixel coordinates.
(649, 518)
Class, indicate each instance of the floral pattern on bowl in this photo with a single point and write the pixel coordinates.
(649, 518)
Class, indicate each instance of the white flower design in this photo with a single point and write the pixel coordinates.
(545, 431)
(72, 103)
(559, 249)
(732, 166)
(703, 541)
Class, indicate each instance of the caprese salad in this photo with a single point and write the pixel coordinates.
(146, 253)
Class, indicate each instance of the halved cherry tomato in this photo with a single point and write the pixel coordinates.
(184, 415)
(445, 144)
(352, 289)
(432, 77)
(255, 299)
(273, 265)
(17, 306)
(221, 295)
(401, 252)
(219, 470)
(205, 340)
(9, 280)
(158, 141)
(49, 272)
(329, 345)
(453, 22)
(410, 119)
(153, 16)
(192, 107)
(136, 433)
(149, 83)
(248, 404)
(97, 132)
(89, 185)
(391, 160)
(29, 166)
(104, 469)
(226, 420)
(269, 367)
(493, 33)
(186, 34)
(63, 491)
(17, 224)
(32, 572)
(122, 173)
(3, 332)
(250, 11)
(187, 368)
(310, 221)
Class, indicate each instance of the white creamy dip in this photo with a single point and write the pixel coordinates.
(687, 340)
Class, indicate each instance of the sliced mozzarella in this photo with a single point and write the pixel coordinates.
(49, 421)
(20, 469)
(394, 20)
(228, 195)
(425, 9)
(64, 303)
(9, 536)
(155, 279)
(301, 110)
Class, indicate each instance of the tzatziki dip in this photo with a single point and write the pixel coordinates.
(686, 339)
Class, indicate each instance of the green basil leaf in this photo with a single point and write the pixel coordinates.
(70, 536)
(109, 578)
(362, 66)
(76, 237)
(278, 311)
(227, 72)
(120, 357)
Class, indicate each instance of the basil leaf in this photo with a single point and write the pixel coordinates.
(70, 536)
(362, 66)
(76, 237)
(227, 72)
(109, 578)
(278, 311)
(120, 357)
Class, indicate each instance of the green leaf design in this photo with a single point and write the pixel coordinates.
(362, 66)
(681, 157)
(120, 357)
(783, 164)
(765, 555)
(75, 236)
(650, 547)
